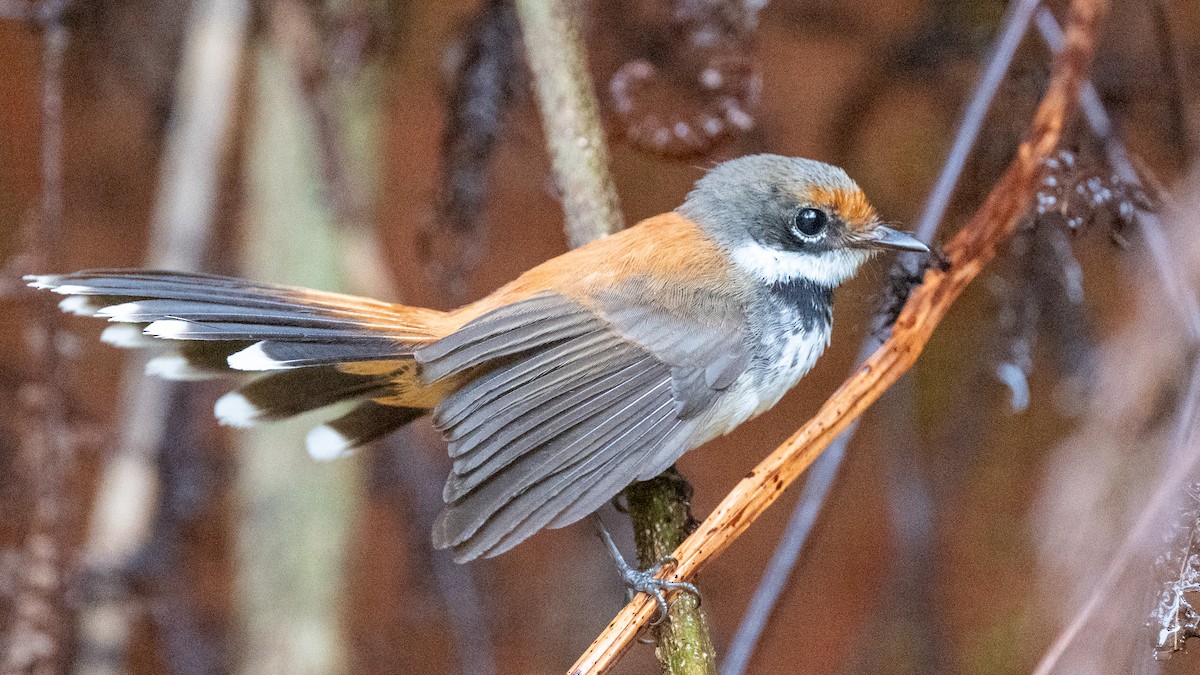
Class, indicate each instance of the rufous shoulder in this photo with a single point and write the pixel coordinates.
(664, 249)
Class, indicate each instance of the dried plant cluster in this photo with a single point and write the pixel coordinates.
(1175, 618)
(1044, 295)
(1079, 195)
(698, 84)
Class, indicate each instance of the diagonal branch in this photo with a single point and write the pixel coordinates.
(825, 470)
(966, 255)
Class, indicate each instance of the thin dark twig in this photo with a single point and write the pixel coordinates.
(775, 577)
(913, 502)
(488, 80)
(192, 476)
(1169, 58)
(40, 623)
(1015, 25)
(826, 467)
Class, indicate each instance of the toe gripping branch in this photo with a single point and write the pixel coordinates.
(647, 581)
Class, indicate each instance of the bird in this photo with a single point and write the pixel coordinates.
(595, 369)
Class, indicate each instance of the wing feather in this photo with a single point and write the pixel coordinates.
(595, 485)
(539, 428)
(522, 326)
(512, 495)
(570, 406)
(553, 366)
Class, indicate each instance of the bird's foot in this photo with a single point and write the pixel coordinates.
(647, 581)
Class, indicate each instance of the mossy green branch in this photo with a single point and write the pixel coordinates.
(662, 519)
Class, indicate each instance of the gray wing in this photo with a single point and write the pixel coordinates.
(571, 409)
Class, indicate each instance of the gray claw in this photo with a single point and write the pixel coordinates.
(647, 581)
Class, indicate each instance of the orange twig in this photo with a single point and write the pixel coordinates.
(970, 250)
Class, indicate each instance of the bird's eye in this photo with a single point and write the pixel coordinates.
(809, 222)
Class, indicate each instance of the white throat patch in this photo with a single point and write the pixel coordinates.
(829, 268)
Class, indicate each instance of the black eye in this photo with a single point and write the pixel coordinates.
(809, 222)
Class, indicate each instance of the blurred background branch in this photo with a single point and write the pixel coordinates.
(154, 411)
(570, 119)
(37, 635)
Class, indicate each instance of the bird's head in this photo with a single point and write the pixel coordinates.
(784, 218)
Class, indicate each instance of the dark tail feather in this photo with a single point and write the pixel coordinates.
(188, 361)
(250, 326)
(179, 287)
(365, 423)
(276, 396)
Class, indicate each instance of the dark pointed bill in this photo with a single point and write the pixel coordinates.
(886, 237)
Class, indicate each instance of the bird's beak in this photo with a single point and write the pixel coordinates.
(886, 237)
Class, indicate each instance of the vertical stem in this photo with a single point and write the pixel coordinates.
(194, 153)
(661, 521)
(570, 117)
(36, 634)
(295, 514)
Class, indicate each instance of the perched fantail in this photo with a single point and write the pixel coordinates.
(592, 370)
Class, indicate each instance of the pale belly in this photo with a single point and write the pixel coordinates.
(787, 357)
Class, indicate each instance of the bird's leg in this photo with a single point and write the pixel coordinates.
(646, 581)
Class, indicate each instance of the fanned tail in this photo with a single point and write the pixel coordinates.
(317, 348)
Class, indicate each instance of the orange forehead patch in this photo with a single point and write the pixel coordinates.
(849, 203)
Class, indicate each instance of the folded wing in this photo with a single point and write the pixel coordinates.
(570, 407)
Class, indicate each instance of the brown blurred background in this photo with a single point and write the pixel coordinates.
(329, 175)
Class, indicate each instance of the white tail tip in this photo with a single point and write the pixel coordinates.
(253, 358)
(79, 305)
(326, 443)
(169, 329)
(125, 336)
(235, 410)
